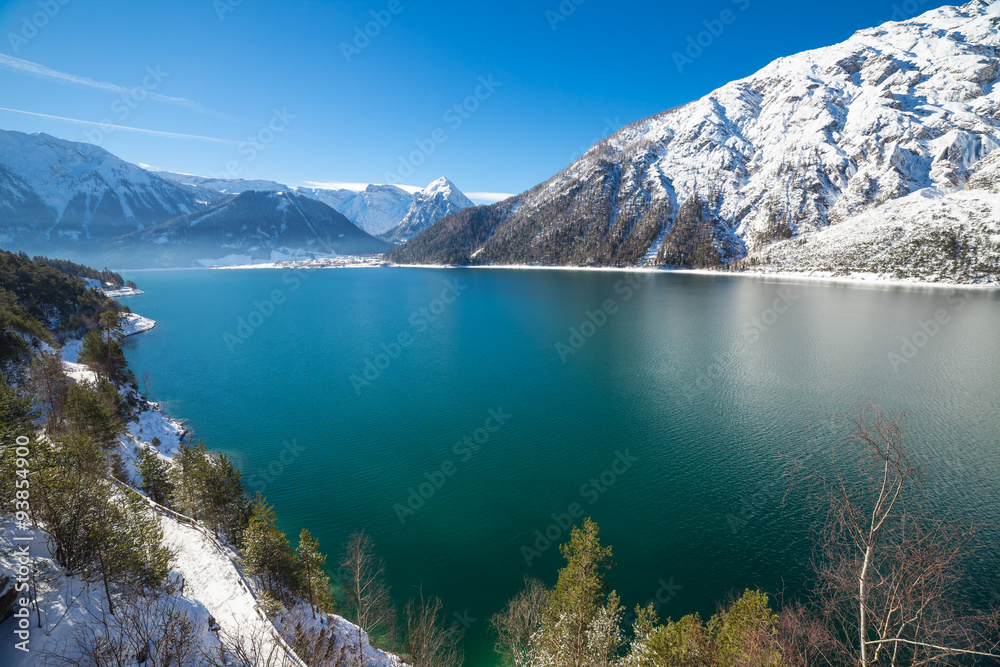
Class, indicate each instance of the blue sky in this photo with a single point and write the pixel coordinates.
(289, 91)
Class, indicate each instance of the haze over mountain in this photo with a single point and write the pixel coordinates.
(848, 157)
(77, 200)
(58, 193)
(251, 226)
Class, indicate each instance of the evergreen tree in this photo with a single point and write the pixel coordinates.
(747, 633)
(96, 412)
(681, 644)
(266, 551)
(16, 420)
(68, 492)
(127, 544)
(17, 414)
(313, 579)
(209, 488)
(577, 629)
(50, 385)
(691, 240)
(103, 353)
(155, 474)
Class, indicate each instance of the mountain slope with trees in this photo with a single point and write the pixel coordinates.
(810, 143)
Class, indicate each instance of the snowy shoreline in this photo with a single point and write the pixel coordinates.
(859, 279)
(214, 589)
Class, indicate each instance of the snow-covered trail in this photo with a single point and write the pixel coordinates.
(211, 577)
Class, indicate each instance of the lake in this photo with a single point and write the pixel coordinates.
(464, 417)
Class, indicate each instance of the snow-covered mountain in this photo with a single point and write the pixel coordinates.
(438, 200)
(54, 191)
(253, 225)
(812, 151)
(377, 209)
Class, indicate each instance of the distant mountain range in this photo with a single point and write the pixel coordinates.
(79, 201)
(874, 155)
(249, 226)
(387, 211)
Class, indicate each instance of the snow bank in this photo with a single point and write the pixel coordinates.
(121, 292)
(133, 324)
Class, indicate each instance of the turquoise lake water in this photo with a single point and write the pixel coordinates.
(459, 416)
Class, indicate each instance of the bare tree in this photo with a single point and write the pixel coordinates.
(517, 624)
(429, 642)
(151, 630)
(253, 646)
(368, 602)
(316, 646)
(889, 572)
(804, 640)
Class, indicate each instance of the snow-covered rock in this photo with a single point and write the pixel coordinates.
(133, 324)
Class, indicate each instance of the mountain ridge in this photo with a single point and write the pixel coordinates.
(807, 143)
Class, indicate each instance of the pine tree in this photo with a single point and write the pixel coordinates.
(155, 474)
(747, 633)
(16, 414)
(209, 488)
(266, 551)
(103, 354)
(226, 499)
(93, 411)
(681, 644)
(50, 385)
(314, 581)
(579, 606)
(127, 546)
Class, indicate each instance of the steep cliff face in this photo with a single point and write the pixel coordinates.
(811, 141)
